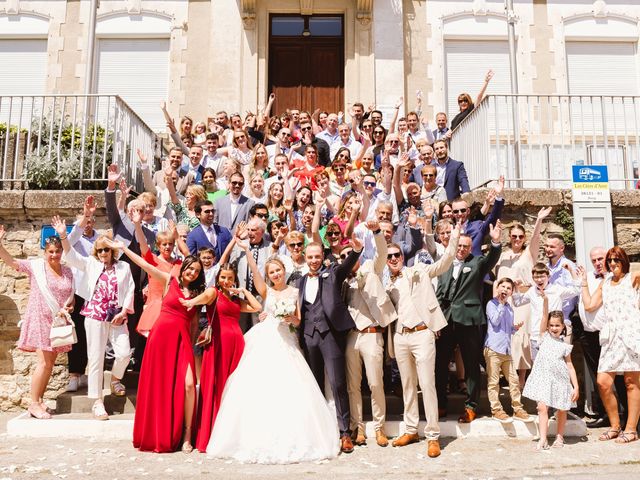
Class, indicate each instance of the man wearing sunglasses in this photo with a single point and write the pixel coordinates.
(371, 310)
(234, 208)
(420, 320)
(308, 138)
(207, 234)
(460, 296)
(478, 229)
(452, 175)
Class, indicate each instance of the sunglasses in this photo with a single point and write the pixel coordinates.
(334, 233)
(369, 184)
(344, 255)
(393, 255)
(462, 210)
(463, 100)
(378, 133)
(339, 169)
(367, 127)
(208, 211)
(305, 129)
(237, 184)
(394, 141)
(239, 137)
(262, 215)
(463, 247)
(343, 155)
(103, 250)
(520, 237)
(614, 260)
(428, 175)
(296, 244)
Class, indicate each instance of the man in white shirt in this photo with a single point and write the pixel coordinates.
(212, 159)
(283, 146)
(330, 134)
(345, 140)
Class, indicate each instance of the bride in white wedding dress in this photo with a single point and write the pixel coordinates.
(272, 409)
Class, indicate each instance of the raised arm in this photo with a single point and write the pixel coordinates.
(113, 215)
(205, 298)
(487, 79)
(591, 302)
(445, 261)
(168, 181)
(136, 217)
(145, 168)
(141, 262)
(397, 186)
(394, 119)
(533, 248)
(4, 254)
(380, 257)
(258, 279)
(182, 245)
(315, 224)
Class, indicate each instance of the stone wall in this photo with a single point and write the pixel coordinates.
(24, 213)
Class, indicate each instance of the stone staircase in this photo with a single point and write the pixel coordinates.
(73, 417)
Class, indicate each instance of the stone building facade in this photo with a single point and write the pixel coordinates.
(209, 55)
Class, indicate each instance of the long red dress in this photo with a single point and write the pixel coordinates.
(219, 360)
(159, 418)
(155, 290)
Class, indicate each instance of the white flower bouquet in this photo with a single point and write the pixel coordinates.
(283, 308)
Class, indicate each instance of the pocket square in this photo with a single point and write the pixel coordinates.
(325, 275)
(466, 269)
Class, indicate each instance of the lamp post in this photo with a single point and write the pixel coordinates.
(513, 67)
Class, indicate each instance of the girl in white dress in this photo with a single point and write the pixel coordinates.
(553, 381)
(272, 409)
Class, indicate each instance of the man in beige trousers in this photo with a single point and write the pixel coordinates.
(371, 310)
(419, 321)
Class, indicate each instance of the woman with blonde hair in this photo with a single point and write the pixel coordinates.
(185, 210)
(51, 295)
(466, 104)
(108, 289)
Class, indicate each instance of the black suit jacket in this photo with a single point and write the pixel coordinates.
(456, 181)
(330, 292)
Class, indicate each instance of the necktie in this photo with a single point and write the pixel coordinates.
(254, 251)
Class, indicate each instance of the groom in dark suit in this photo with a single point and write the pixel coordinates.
(324, 324)
(460, 296)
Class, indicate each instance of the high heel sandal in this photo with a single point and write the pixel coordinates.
(627, 437)
(610, 434)
(187, 447)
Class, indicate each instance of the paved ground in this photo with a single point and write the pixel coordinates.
(64, 458)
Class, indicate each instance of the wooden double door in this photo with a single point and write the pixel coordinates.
(307, 73)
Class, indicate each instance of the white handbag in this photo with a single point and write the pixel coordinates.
(63, 331)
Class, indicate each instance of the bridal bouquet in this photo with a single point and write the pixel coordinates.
(284, 308)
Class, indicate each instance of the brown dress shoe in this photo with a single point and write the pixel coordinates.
(358, 437)
(406, 439)
(468, 416)
(346, 445)
(433, 448)
(381, 438)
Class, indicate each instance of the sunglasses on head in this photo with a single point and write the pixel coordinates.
(295, 244)
(393, 255)
(52, 239)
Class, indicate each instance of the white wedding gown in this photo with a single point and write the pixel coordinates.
(272, 410)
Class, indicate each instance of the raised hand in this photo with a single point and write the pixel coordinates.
(89, 207)
(173, 229)
(355, 243)
(59, 225)
(287, 203)
(544, 213)
(136, 215)
(581, 273)
(115, 244)
(113, 175)
(124, 188)
(499, 189)
(141, 156)
(272, 97)
(412, 218)
(399, 102)
(495, 232)
(241, 231)
(373, 225)
(488, 76)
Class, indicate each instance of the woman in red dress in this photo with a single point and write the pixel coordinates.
(166, 399)
(221, 357)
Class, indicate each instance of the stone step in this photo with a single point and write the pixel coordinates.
(82, 425)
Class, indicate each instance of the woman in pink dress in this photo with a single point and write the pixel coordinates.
(37, 319)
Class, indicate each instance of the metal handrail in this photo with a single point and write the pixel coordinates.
(68, 141)
(553, 133)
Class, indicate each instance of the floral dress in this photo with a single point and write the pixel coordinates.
(549, 381)
(620, 335)
(35, 325)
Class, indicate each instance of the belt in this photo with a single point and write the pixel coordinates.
(371, 330)
(417, 328)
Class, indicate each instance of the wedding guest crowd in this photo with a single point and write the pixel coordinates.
(324, 245)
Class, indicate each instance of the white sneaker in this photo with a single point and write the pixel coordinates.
(99, 413)
(83, 381)
(72, 386)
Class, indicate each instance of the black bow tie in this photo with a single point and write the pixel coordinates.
(599, 275)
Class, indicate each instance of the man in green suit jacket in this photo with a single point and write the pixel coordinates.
(460, 296)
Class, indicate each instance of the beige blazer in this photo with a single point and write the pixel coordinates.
(368, 301)
(415, 284)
